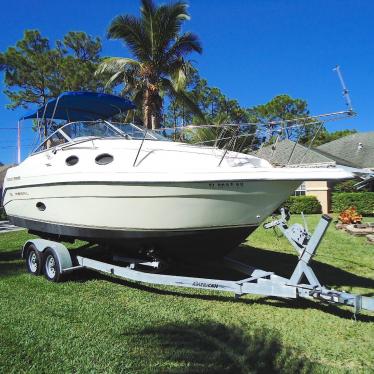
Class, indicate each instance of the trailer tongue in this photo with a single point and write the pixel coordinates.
(56, 261)
(306, 245)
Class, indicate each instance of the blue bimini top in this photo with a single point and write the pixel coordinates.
(82, 106)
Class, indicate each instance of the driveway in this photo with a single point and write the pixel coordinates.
(6, 226)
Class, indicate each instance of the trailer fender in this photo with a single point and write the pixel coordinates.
(61, 252)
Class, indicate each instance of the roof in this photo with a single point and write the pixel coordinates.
(357, 149)
(288, 152)
(82, 106)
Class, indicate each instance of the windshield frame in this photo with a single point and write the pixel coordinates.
(70, 141)
(146, 132)
(148, 135)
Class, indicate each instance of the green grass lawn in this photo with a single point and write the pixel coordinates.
(94, 323)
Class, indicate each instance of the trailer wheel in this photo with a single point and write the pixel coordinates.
(52, 266)
(34, 260)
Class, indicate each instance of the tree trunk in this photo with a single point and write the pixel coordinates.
(147, 110)
(152, 108)
(156, 110)
(156, 120)
(44, 120)
(175, 116)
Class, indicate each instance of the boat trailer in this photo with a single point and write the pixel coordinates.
(55, 260)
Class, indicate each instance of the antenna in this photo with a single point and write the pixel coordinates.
(347, 98)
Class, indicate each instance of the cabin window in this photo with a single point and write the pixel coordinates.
(40, 206)
(72, 160)
(104, 159)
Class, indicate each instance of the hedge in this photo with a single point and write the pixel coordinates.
(2, 214)
(305, 204)
(362, 201)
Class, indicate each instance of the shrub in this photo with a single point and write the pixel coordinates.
(362, 201)
(2, 214)
(305, 204)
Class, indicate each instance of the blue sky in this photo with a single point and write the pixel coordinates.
(253, 49)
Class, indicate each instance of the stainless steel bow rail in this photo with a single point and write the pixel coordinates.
(54, 260)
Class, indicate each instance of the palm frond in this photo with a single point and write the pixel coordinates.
(178, 73)
(114, 79)
(116, 66)
(168, 21)
(182, 96)
(183, 45)
(179, 70)
(202, 135)
(128, 74)
(131, 30)
(148, 8)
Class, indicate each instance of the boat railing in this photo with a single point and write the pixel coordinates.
(286, 142)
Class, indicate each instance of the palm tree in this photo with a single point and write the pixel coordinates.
(159, 67)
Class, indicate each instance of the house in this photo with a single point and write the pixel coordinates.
(355, 151)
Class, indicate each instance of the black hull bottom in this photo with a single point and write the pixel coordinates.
(207, 243)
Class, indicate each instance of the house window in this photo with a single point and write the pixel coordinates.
(300, 191)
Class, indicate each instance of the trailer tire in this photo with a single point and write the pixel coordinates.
(51, 267)
(34, 260)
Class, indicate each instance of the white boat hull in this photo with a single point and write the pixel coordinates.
(137, 215)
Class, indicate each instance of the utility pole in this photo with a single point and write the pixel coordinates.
(18, 142)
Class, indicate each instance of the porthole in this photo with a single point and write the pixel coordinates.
(40, 206)
(104, 159)
(72, 160)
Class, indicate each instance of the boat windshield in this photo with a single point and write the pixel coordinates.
(81, 131)
(54, 140)
(138, 132)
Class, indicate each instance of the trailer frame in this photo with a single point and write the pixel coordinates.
(57, 261)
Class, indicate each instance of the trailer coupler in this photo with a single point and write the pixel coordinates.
(358, 302)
